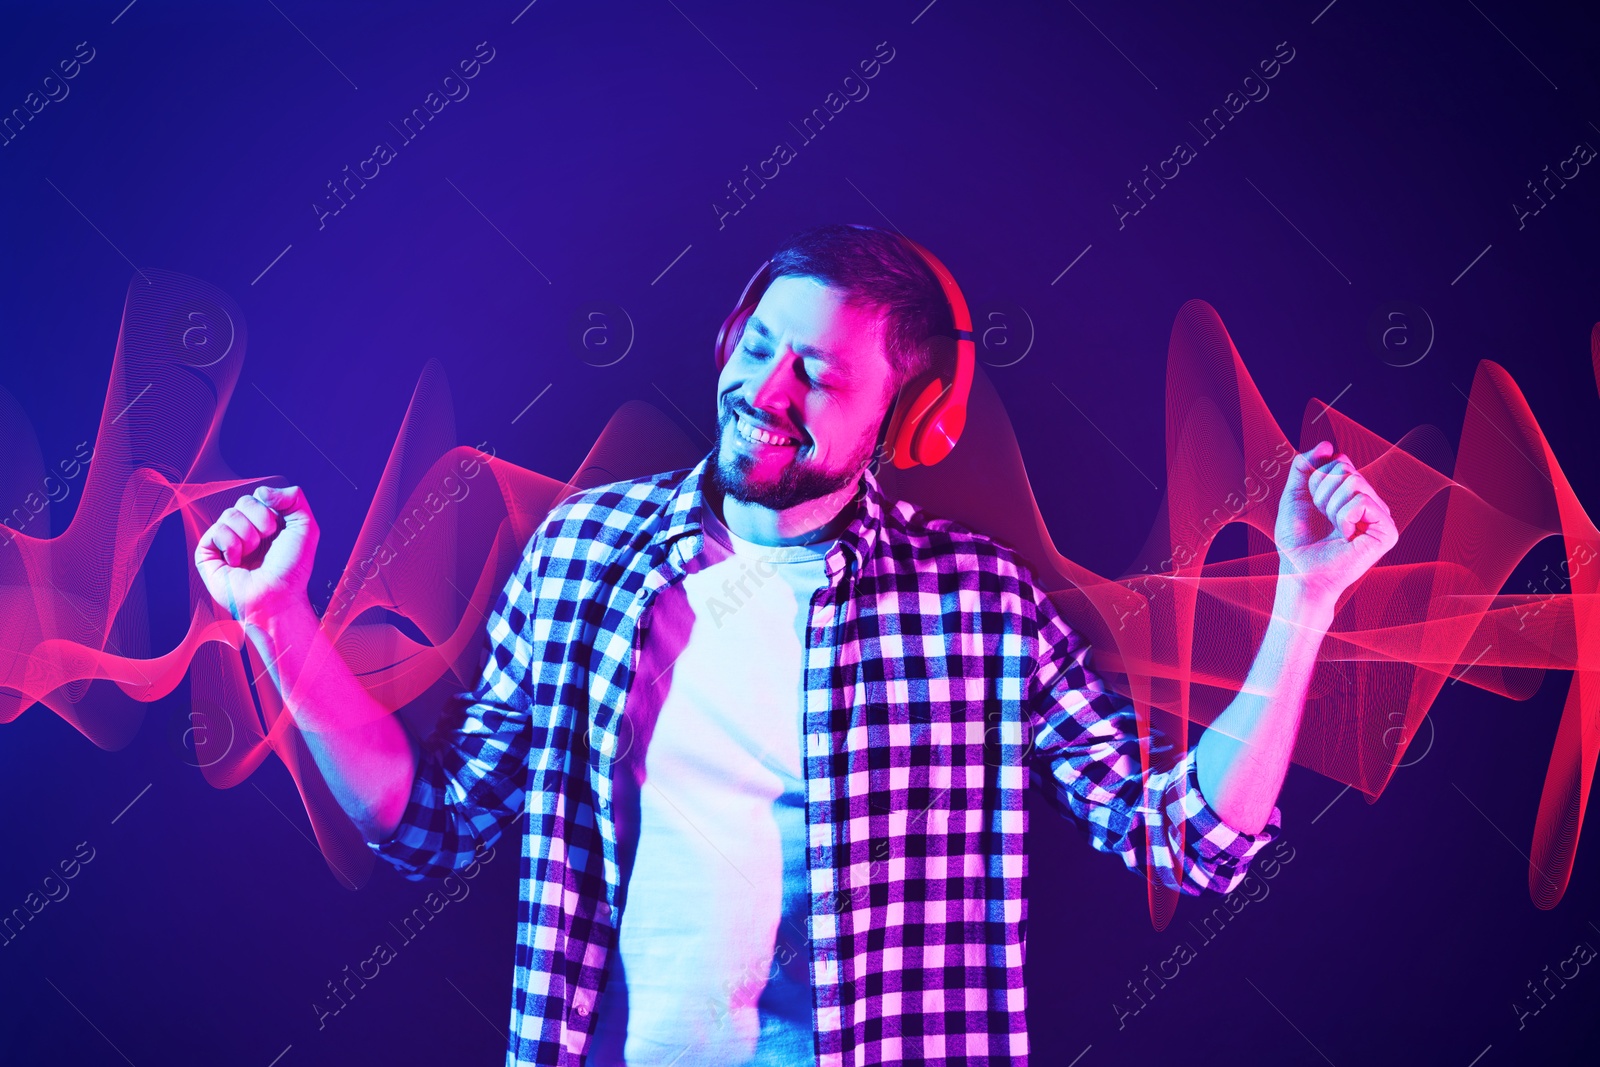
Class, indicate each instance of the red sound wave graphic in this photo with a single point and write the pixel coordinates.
(1176, 634)
(1594, 352)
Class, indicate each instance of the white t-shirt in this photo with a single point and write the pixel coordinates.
(713, 964)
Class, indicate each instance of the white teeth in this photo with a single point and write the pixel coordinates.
(755, 433)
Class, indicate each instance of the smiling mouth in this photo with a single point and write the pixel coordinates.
(756, 435)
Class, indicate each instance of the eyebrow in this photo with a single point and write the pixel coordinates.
(810, 351)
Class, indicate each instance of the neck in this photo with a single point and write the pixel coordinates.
(811, 520)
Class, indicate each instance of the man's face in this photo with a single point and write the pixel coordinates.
(812, 377)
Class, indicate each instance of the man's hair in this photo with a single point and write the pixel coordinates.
(875, 268)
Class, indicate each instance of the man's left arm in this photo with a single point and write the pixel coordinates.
(1331, 527)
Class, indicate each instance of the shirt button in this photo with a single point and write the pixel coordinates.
(583, 1009)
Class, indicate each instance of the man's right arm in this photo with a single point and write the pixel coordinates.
(255, 561)
(367, 756)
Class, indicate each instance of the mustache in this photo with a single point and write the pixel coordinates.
(751, 415)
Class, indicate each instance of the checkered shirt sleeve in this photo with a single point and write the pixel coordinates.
(1086, 755)
(472, 771)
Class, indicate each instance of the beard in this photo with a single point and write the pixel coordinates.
(797, 483)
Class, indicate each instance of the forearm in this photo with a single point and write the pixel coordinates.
(1242, 758)
(367, 756)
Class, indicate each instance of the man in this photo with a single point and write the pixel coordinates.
(772, 732)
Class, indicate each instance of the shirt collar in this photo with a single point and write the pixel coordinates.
(686, 510)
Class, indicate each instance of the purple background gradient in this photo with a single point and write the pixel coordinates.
(596, 140)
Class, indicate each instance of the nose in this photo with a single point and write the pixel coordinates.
(774, 388)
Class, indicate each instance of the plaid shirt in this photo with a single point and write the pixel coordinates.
(939, 681)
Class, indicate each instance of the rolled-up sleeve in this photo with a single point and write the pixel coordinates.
(1086, 756)
(472, 771)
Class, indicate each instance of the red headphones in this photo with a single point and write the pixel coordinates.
(925, 430)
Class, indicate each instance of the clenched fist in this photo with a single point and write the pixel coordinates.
(256, 558)
(1332, 525)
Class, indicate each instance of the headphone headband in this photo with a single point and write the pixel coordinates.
(925, 429)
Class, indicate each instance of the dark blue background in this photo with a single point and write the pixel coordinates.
(596, 140)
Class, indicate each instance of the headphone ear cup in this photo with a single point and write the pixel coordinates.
(731, 334)
(908, 432)
(732, 331)
(942, 429)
